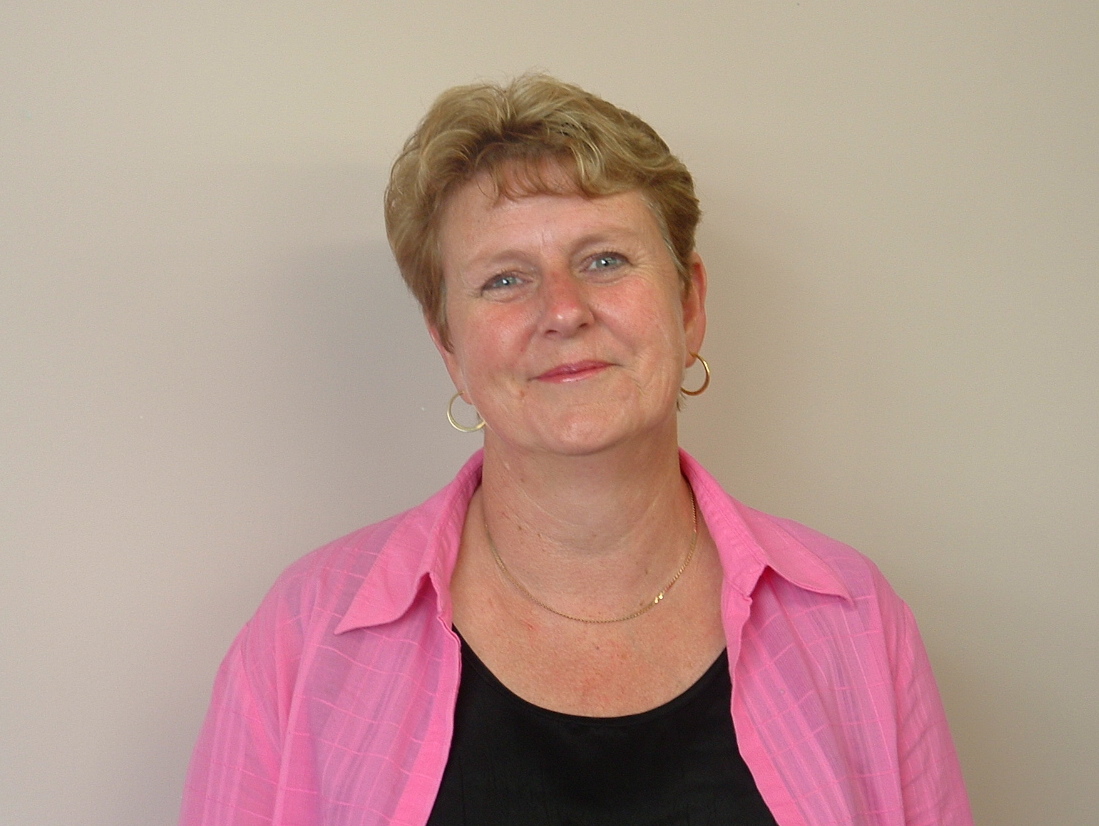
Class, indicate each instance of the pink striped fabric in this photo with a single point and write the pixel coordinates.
(334, 705)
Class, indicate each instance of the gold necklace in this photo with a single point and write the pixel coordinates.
(648, 606)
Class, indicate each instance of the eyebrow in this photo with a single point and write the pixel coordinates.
(612, 234)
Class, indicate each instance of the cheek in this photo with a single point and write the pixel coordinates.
(464, 358)
(473, 359)
(661, 320)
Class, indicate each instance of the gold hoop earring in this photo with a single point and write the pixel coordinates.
(705, 381)
(461, 427)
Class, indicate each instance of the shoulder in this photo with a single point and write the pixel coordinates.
(852, 566)
(752, 542)
(310, 596)
(870, 604)
(370, 576)
(333, 573)
(860, 575)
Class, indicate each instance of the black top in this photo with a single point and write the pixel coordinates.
(513, 763)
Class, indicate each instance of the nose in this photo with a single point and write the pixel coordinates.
(565, 303)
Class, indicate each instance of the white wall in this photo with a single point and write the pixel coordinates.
(209, 366)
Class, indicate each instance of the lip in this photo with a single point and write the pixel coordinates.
(573, 371)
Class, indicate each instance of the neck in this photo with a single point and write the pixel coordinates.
(595, 530)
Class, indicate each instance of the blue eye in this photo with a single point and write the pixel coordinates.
(606, 261)
(502, 281)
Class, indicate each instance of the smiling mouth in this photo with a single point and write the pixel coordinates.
(573, 372)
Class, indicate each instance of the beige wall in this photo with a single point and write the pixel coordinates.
(209, 366)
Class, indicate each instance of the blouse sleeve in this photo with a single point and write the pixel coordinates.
(234, 769)
(931, 777)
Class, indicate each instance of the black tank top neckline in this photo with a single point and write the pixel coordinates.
(513, 763)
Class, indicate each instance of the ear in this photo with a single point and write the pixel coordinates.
(448, 356)
(694, 305)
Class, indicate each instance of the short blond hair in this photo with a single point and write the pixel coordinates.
(509, 132)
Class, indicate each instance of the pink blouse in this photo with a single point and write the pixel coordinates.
(334, 706)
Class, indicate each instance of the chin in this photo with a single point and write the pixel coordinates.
(587, 436)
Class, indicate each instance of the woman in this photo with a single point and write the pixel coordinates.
(582, 627)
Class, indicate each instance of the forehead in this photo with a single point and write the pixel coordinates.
(477, 220)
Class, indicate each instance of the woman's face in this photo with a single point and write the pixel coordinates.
(569, 327)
